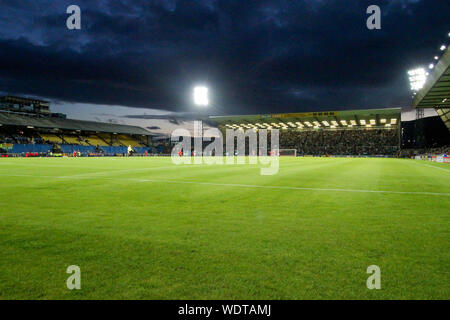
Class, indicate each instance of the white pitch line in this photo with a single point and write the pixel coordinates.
(90, 175)
(293, 188)
(242, 185)
(435, 167)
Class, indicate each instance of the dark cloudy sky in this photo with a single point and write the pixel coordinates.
(256, 56)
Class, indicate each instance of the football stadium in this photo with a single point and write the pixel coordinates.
(355, 190)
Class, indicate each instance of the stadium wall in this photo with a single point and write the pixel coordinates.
(46, 148)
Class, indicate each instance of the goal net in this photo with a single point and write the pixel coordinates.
(288, 152)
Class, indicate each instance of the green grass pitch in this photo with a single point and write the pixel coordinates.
(143, 228)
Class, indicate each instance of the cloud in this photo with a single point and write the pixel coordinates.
(256, 56)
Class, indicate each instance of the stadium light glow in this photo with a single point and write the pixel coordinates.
(442, 48)
(431, 66)
(373, 122)
(334, 123)
(362, 122)
(316, 123)
(417, 78)
(393, 121)
(353, 122)
(343, 122)
(308, 123)
(325, 123)
(436, 57)
(383, 120)
(201, 96)
(388, 124)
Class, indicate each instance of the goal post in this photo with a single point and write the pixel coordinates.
(288, 152)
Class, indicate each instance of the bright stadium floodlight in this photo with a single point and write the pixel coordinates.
(442, 48)
(431, 66)
(417, 78)
(362, 122)
(201, 96)
(382, 120)
(436, 57)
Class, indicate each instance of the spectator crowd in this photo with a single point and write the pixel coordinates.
(341, 142)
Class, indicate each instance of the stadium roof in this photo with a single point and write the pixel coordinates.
(380, 116)
(68, 124)
(436, 91)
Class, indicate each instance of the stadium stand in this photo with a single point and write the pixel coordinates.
(373, 132)
(128, 140)
(436, 91)
(28, 126)
(342, 142)
(50, 138)
(94, 140)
